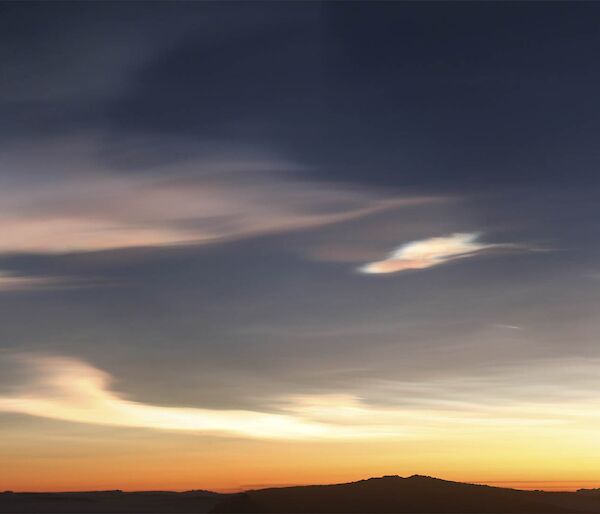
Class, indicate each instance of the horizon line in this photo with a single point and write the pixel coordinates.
(533, 485)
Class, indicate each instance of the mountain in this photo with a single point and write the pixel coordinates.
(108, 502)
(385, 495)
(415, 494)
(593, 492)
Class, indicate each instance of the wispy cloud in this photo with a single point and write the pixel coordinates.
(72, 390)
(427, 253)
(507, 327)
(222, 195)
(11, 282)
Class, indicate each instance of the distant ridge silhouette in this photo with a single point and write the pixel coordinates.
(385, 495)
(415, 494)
(108, 502)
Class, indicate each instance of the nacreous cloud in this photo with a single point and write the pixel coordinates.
(81, 204)
(71, 390)
(428, 253)
(225, 195)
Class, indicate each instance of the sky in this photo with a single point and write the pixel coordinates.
(260, 243)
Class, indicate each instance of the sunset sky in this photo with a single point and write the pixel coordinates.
(247, 244)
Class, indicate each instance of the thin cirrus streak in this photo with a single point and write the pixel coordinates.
(427, 253)
(13, 282)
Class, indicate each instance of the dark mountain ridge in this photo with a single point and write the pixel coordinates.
(109, 502)
(415, 494)
(384, 495)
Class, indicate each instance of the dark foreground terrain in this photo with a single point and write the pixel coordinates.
(416, 494)
(109, 502)
(392, 494)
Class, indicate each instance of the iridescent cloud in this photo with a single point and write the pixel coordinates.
(427, 253)
(215, 197)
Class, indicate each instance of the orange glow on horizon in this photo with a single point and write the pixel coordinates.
(140, 460)
(515, 446)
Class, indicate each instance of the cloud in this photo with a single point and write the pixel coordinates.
(428, 253)
(508, 327)
(72, 390)
(24, 282)
(227, 193)
(11, 282)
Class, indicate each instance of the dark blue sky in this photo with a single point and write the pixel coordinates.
(223, 204)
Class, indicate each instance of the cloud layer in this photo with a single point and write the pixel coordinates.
(225, 193)
(70, 389)
(216, 192)
(428, 253)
